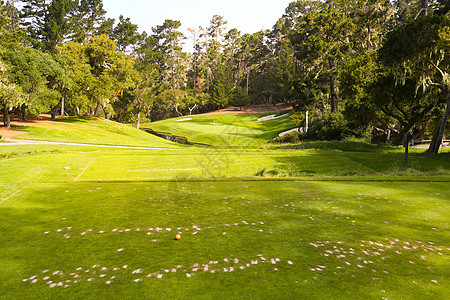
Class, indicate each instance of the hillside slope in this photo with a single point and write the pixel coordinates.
(90, 131)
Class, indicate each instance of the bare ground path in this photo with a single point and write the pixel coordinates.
(254, 109)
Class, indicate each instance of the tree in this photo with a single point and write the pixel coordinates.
(212, 48)
(37, 74)
(125, 33)
(323, 41)
(168, 104)
(100, 73)
(240, 98)
(420, 49)
(372, 19)
(172, 60)
(56, 23)
(79, 94)
(361, 89)
(11, 95)
(88, 16)
(221, 88)
(32, 19)
(196, 54)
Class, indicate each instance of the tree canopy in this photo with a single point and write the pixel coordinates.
(372, 68)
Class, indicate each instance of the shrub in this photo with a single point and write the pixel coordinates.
(291, 137)
(329, 127)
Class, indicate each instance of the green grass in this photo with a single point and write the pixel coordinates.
(40, 163)
(325, 220)
(302, 226)
(92, 131)
(224, 130)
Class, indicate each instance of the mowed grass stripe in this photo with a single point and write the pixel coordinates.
(79, 175)
(217, 164)
(12, 195)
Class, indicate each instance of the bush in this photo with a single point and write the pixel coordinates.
(291, 137)
(329, 127)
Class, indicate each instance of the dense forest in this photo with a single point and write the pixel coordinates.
(360, 68)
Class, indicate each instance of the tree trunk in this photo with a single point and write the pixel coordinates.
(178, 112)
(138, 120)
(53, 112)
(191, 109)
(6, 118)
(421, 131)
(248, 75)
(62, 106)
(105, 112)
(437, 139)
(424, 11)
(97, 108)
(333, 94)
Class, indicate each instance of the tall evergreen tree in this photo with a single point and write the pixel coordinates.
(56, 26)
(125, 33)
(173, 63)
(88, 16)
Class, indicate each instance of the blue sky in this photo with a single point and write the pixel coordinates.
(247, 16)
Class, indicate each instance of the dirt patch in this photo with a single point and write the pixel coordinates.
(15, 121)
(30, 120)
(254, 109)
(9, 133)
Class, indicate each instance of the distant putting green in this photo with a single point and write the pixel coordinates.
(225, 130)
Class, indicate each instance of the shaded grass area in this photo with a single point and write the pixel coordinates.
(292, 239)
(357, 146)
(92, 131)
(224, 130)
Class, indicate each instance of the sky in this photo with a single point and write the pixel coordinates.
(247, 16)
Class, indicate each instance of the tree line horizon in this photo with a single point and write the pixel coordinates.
(361, 68)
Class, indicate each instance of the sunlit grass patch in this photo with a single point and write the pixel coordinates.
(224, 130)
(92, 131)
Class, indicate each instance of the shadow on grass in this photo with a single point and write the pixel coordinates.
(339, 145)
(86, 119)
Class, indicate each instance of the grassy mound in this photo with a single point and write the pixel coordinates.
(91, 131)
(224, 130)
